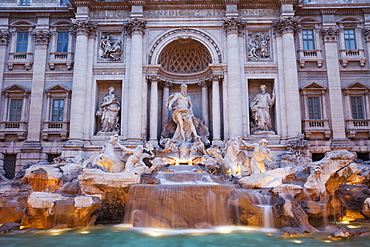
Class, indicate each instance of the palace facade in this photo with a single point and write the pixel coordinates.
(59, 60)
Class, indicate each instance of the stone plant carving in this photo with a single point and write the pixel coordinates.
(260, 108)
(258, 46)
(110, 48)
(108, 112)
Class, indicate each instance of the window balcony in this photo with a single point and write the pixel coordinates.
(311, 126)
(62, 58)
(25, 59)
(354, 126)
(17, 128)
(355, 55)
(310, 56)
(55, 128)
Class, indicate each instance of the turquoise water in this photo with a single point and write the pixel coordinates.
(121, 236)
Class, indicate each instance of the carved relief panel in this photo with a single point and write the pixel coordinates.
(258, 46)
(110, 46)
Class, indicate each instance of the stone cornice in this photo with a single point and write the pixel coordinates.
(41, 37)
(234, 25)
(84, 27)
(136, 2)
(284, 25)
(4, 37)
(329, 34)
(136, 26)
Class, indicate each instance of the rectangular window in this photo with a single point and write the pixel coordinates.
(350, 39)
(9, 165)
(22, 42)
(58, 110)
(314, 109)
(25, 2)
(308, 41)
(15, 110)
(62, 42)
(357, 108)
(64, 2)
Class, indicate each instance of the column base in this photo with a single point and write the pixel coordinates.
(341, 144)
(153, 142)
(218, 143)
(133, 141)
(31, 147)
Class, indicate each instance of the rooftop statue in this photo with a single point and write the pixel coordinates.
(108, 112)
(260, 107)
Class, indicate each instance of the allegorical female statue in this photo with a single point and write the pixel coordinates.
(108, 112)
(260, 107)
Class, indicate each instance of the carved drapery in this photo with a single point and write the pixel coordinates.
(329, 34)
(41, 37)
(83, 27)
(4, 37)
(136, 26)
(234, 25)
(284, 25)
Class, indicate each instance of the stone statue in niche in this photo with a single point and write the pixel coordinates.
(258, 46)
(108, 112)
(260, 108)
(110, 48)
(182, 115)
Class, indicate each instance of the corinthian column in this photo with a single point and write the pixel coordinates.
(134, 129)
(330, 37)
(285, 28)
(234, 114)
(41, 39)
(205, 113)
(4, 39)
(82, 29)
(216, 109)
(153, 121)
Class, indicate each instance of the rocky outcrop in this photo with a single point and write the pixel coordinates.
(267, 179)
(46, 210)
(111, 189)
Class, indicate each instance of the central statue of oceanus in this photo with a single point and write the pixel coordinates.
(184, 126)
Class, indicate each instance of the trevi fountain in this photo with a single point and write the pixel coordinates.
(186, 192)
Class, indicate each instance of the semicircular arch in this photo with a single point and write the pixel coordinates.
(184, 33)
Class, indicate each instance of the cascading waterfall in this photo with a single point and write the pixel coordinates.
(179, 206)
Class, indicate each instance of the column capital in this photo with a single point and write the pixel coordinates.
(166, 84)
(4, 37)
(330, 34)
(285, 25)
(84, 27)
(153, 77)
(234, 25)
(41, 37)
(136, 26)
(366, 32)
(204, 84)
(217, 76)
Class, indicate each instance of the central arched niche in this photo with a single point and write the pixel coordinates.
(184, 56)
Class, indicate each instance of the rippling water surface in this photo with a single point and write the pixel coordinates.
(123, 235)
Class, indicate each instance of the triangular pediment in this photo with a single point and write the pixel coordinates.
(58, 89)
(313, 85)
(357, 86)
(15, 89)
